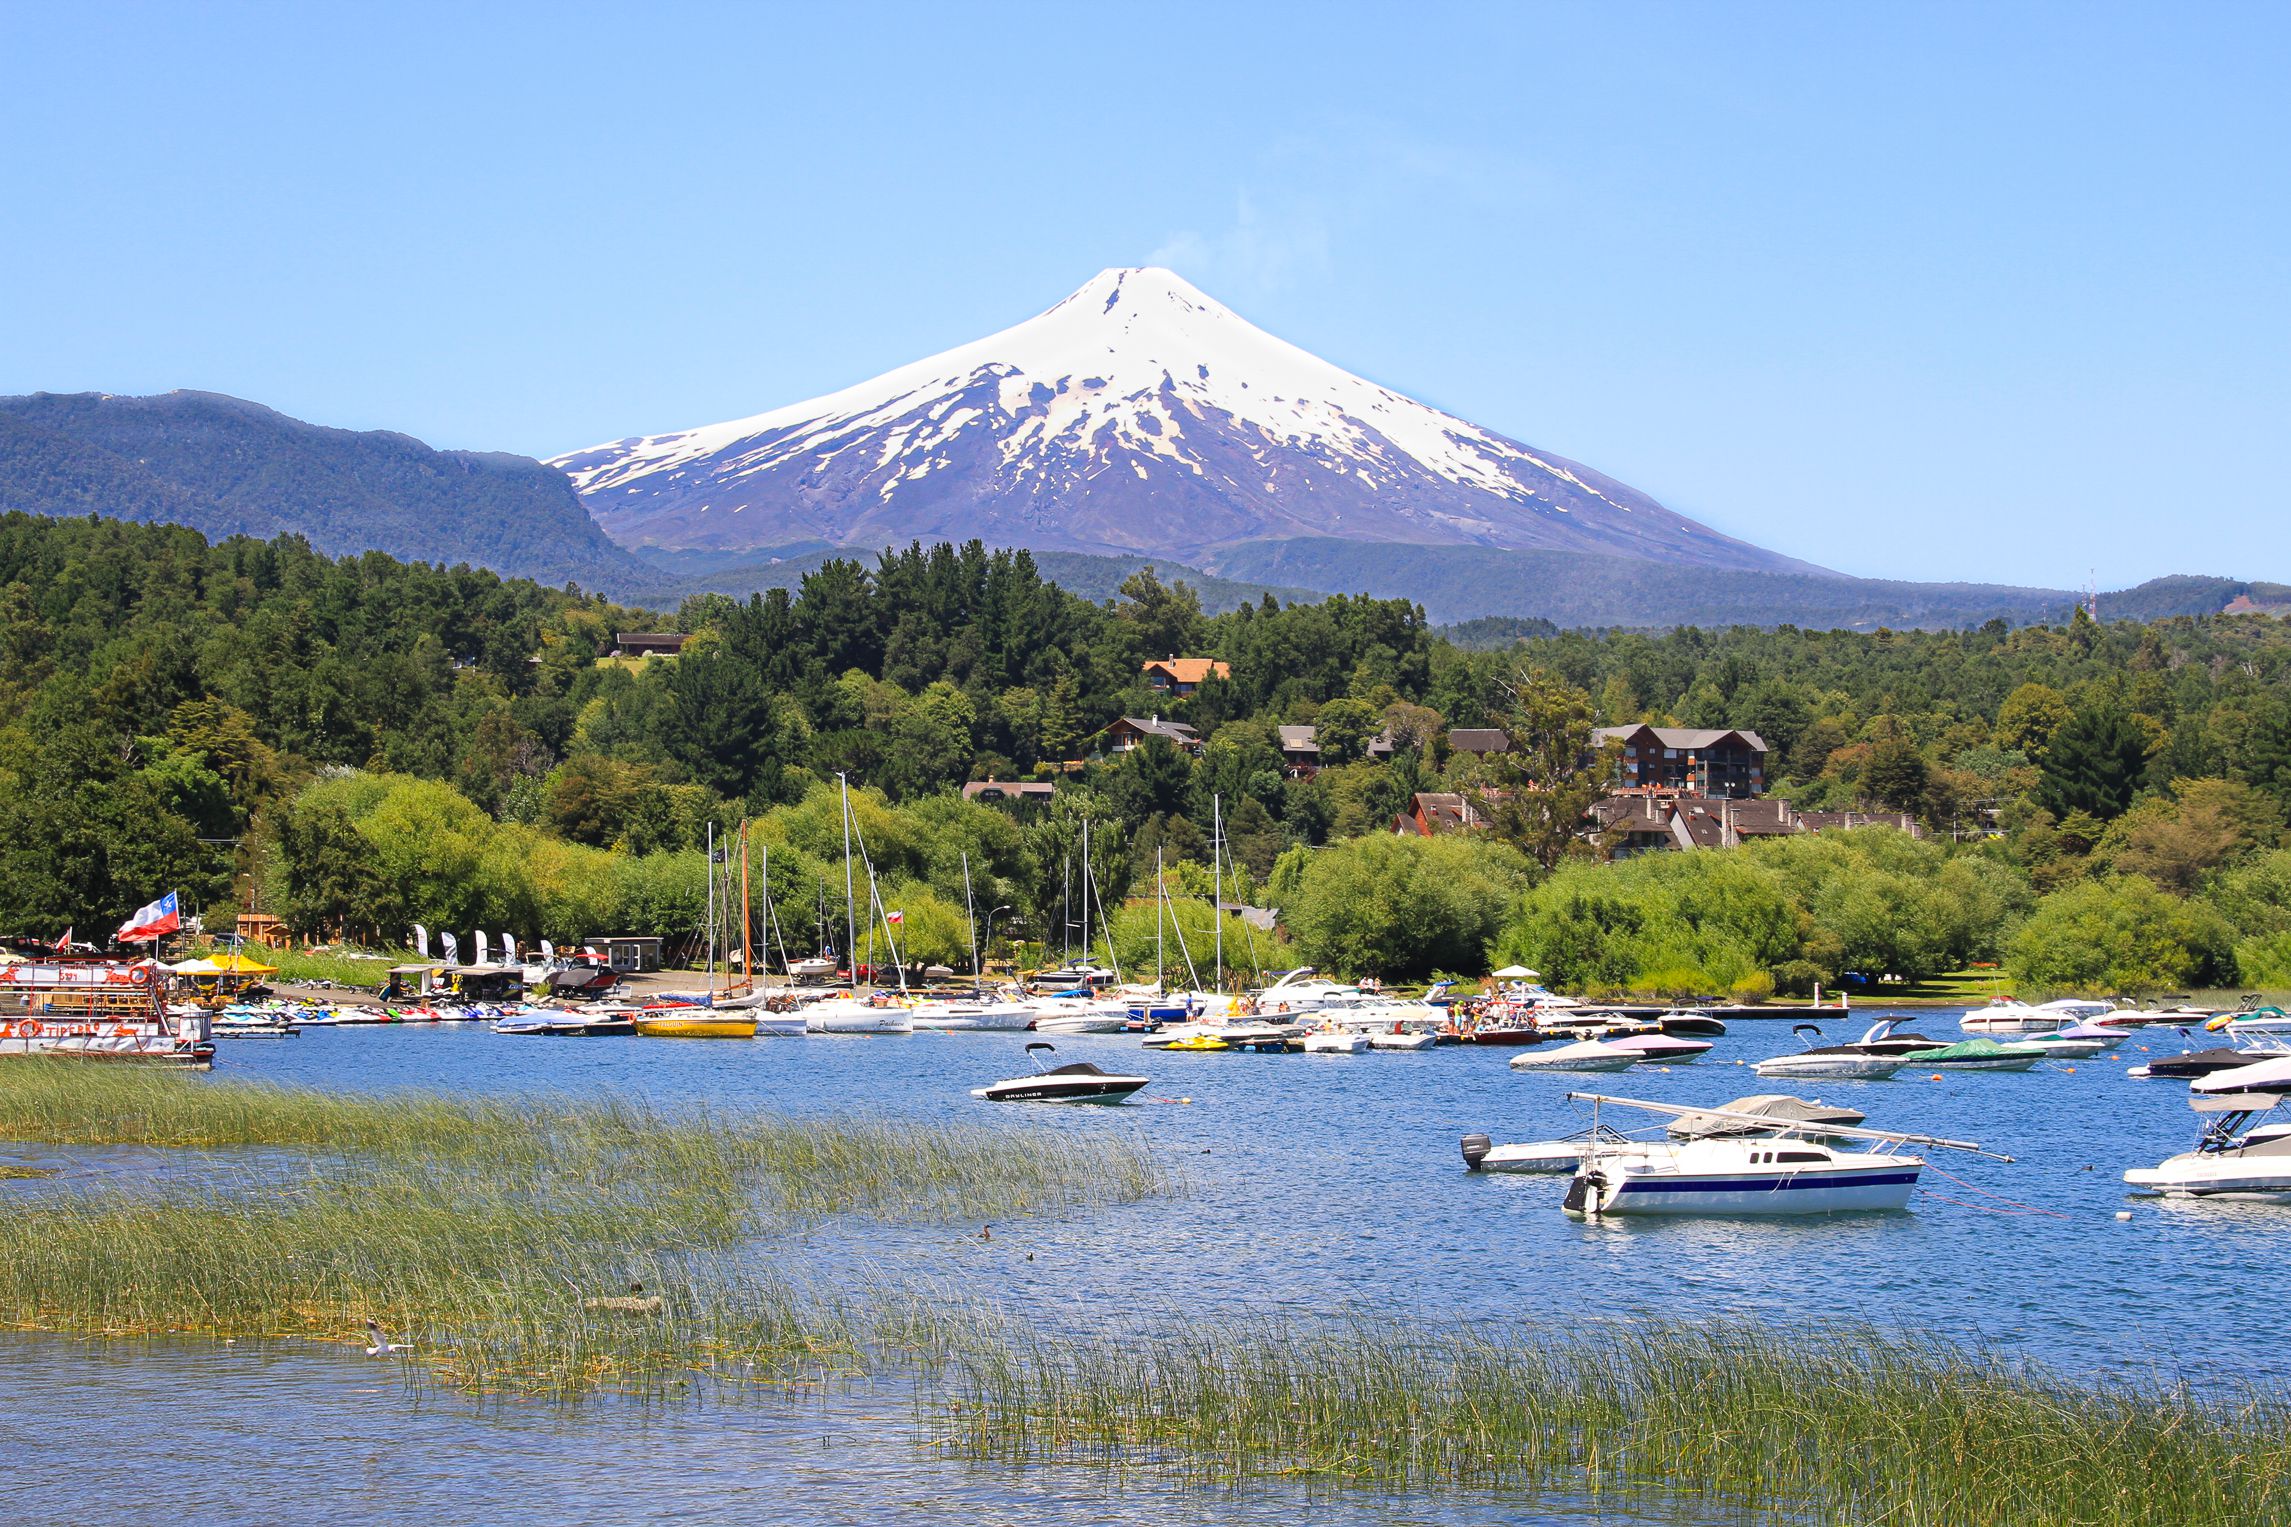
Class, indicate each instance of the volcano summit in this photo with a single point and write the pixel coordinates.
(1136, 416)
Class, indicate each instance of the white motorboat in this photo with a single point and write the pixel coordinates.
(2230, 1160)
(2263, 1074)
(1538, 1157)
(1076, 1082)
(1843, 1062)
(2004, 1015)
(1730, 1175)
(1335, 1042)
(1305, 991)
(1663, 1049)
(1583, 1055)
(2065, 1045)
(819, 967)
(1404, 1040)
(1759, 1114)
(2082, 1009)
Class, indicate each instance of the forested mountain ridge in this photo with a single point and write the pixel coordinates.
(229, 467)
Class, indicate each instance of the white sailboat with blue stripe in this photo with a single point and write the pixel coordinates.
(1781, 1173)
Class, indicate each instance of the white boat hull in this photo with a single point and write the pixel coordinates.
(856, 1018)
(1081, 1023)
(1336, 1044)
(1881, 1185)
(1543, 1158)
(1402, 1041)
(1585, 1055)
(2222, 1175)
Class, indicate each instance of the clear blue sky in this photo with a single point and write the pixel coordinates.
(1932, 291)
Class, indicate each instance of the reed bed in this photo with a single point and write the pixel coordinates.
(1836, 1425)
(533, 1246)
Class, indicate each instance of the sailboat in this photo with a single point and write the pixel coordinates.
(698, 1020)
(978, 1010)
(1785, 1172)
(853, 1013)
(1083, 1011)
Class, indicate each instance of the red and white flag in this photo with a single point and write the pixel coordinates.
(894, 917)
(151, 921)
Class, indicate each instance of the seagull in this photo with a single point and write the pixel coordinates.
(382, 1346)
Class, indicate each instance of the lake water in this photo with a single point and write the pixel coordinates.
(1312, 1183)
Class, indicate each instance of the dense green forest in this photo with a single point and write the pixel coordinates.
(369, 743)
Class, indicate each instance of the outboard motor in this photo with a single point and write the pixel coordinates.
(1476, 1148)
(1583, 1193)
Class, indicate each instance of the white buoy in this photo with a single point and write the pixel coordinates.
(2123, 1214)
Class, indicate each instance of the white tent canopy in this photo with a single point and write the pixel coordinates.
(1518, 973)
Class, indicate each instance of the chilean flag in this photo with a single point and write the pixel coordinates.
(894, 917)
(149, 922)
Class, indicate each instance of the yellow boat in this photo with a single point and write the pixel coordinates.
(1198, 1042)
(696, 1023)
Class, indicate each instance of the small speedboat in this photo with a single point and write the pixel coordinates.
(1691, 1023)
(1540, 1157)
(1848, 1062)
(2270, 1073)
(1505, 1034)
(1204, 1040)
(2190, 1064)
(1763, 1113)
(2004, 1015)
(1983, 1054)
(1584, 1055)
(2229, 1161)
(1335, 1042)
(1404, 1039)
(2064, 1045)
(1075, 1082)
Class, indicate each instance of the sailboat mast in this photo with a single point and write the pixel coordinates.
(1217, 880)
(1085, 890)
(711, 849)
(970, 914)
(1160, 895)
(1066, 915)
(747, 938)
(850, 909)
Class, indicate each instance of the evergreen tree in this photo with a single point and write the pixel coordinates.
(2093, 764)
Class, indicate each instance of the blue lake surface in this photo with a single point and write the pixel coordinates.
(1311, 1184)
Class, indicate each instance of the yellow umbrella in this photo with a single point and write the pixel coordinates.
(242, 965)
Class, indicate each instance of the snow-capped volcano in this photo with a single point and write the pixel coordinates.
(1137, 415)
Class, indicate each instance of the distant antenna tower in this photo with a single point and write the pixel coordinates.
(2092, 594)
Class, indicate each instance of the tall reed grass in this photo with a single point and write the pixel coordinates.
(1845, 1425)
(503, 1238)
